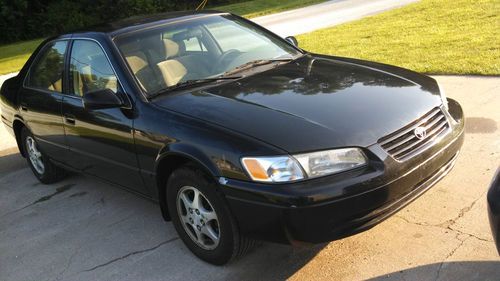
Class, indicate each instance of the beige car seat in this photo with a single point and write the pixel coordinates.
(139, 65)
(172, 69)
(56, 86)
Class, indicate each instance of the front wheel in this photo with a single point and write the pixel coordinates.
(202, 218)
(44, 170)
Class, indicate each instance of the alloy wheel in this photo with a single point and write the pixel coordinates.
(198, 217)
(35, 155)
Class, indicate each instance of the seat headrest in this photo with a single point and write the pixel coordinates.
(171, 48)
(136, 61)
(172, 71)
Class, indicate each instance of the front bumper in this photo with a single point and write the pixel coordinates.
(337, 206)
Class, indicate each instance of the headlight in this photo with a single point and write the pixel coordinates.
(327, 162)
(443, 96)
(273, 169)
(315, 164)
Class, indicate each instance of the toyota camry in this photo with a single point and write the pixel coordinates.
(237, 133)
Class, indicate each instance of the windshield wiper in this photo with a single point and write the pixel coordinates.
(254, 63)
(190, 83)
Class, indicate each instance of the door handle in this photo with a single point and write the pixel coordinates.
(24, 107)
(69, 119)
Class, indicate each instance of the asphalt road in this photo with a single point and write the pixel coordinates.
(83, 229)
(325, 14)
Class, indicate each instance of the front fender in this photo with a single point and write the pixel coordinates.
(189, 152)
(172, 156)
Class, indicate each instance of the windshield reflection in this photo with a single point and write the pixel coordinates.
(197, 49)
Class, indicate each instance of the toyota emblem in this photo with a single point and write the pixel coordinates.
(420, 133)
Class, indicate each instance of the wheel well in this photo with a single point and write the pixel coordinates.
(17, 126)
(163, 171)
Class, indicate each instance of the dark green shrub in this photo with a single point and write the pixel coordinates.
(23, 19)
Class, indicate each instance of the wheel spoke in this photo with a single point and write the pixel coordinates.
(198, 235)
(185, 200)
(208, 215)
(196, 199)
(210, 233)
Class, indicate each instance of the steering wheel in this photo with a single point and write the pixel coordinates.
(228, 55)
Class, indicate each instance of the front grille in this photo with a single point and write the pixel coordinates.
(404, 143)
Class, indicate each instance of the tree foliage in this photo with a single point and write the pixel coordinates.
(28, 19)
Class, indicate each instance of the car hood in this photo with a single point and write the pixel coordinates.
(313, 103)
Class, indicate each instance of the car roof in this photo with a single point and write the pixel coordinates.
(130, 24)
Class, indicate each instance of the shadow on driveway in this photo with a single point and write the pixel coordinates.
(452, 271)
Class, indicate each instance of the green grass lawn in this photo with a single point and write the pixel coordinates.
(431, 36)
(13, 56)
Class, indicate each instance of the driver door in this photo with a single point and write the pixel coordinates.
(101, 142)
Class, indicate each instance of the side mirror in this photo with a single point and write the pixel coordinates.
(101, 99)
(292, 40)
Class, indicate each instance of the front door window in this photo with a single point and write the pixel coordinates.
(90, 69)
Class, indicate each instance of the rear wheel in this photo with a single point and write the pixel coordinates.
(202, 218)
(39, 163)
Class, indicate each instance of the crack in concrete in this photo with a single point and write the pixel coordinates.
(462, 212)
(438, 273)
(444, 227)
(449, 223)
(458, 232)
(414, 222)
(131, 254)
(121, 220)
(77, 250)
(70, 261)
(469, 234)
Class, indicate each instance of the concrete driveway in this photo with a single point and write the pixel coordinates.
(83, 229)
(5, 140)
(324, 15)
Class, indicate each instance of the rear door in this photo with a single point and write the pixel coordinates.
(100, 140)
(41, 99)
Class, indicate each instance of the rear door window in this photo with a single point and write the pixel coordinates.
(47, 72)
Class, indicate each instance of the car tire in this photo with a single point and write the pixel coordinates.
(40, 164)
(211, 215)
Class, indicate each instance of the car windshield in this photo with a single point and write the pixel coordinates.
(201, 49)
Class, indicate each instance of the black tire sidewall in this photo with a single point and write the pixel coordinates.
(227, 247)
(51, 173)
